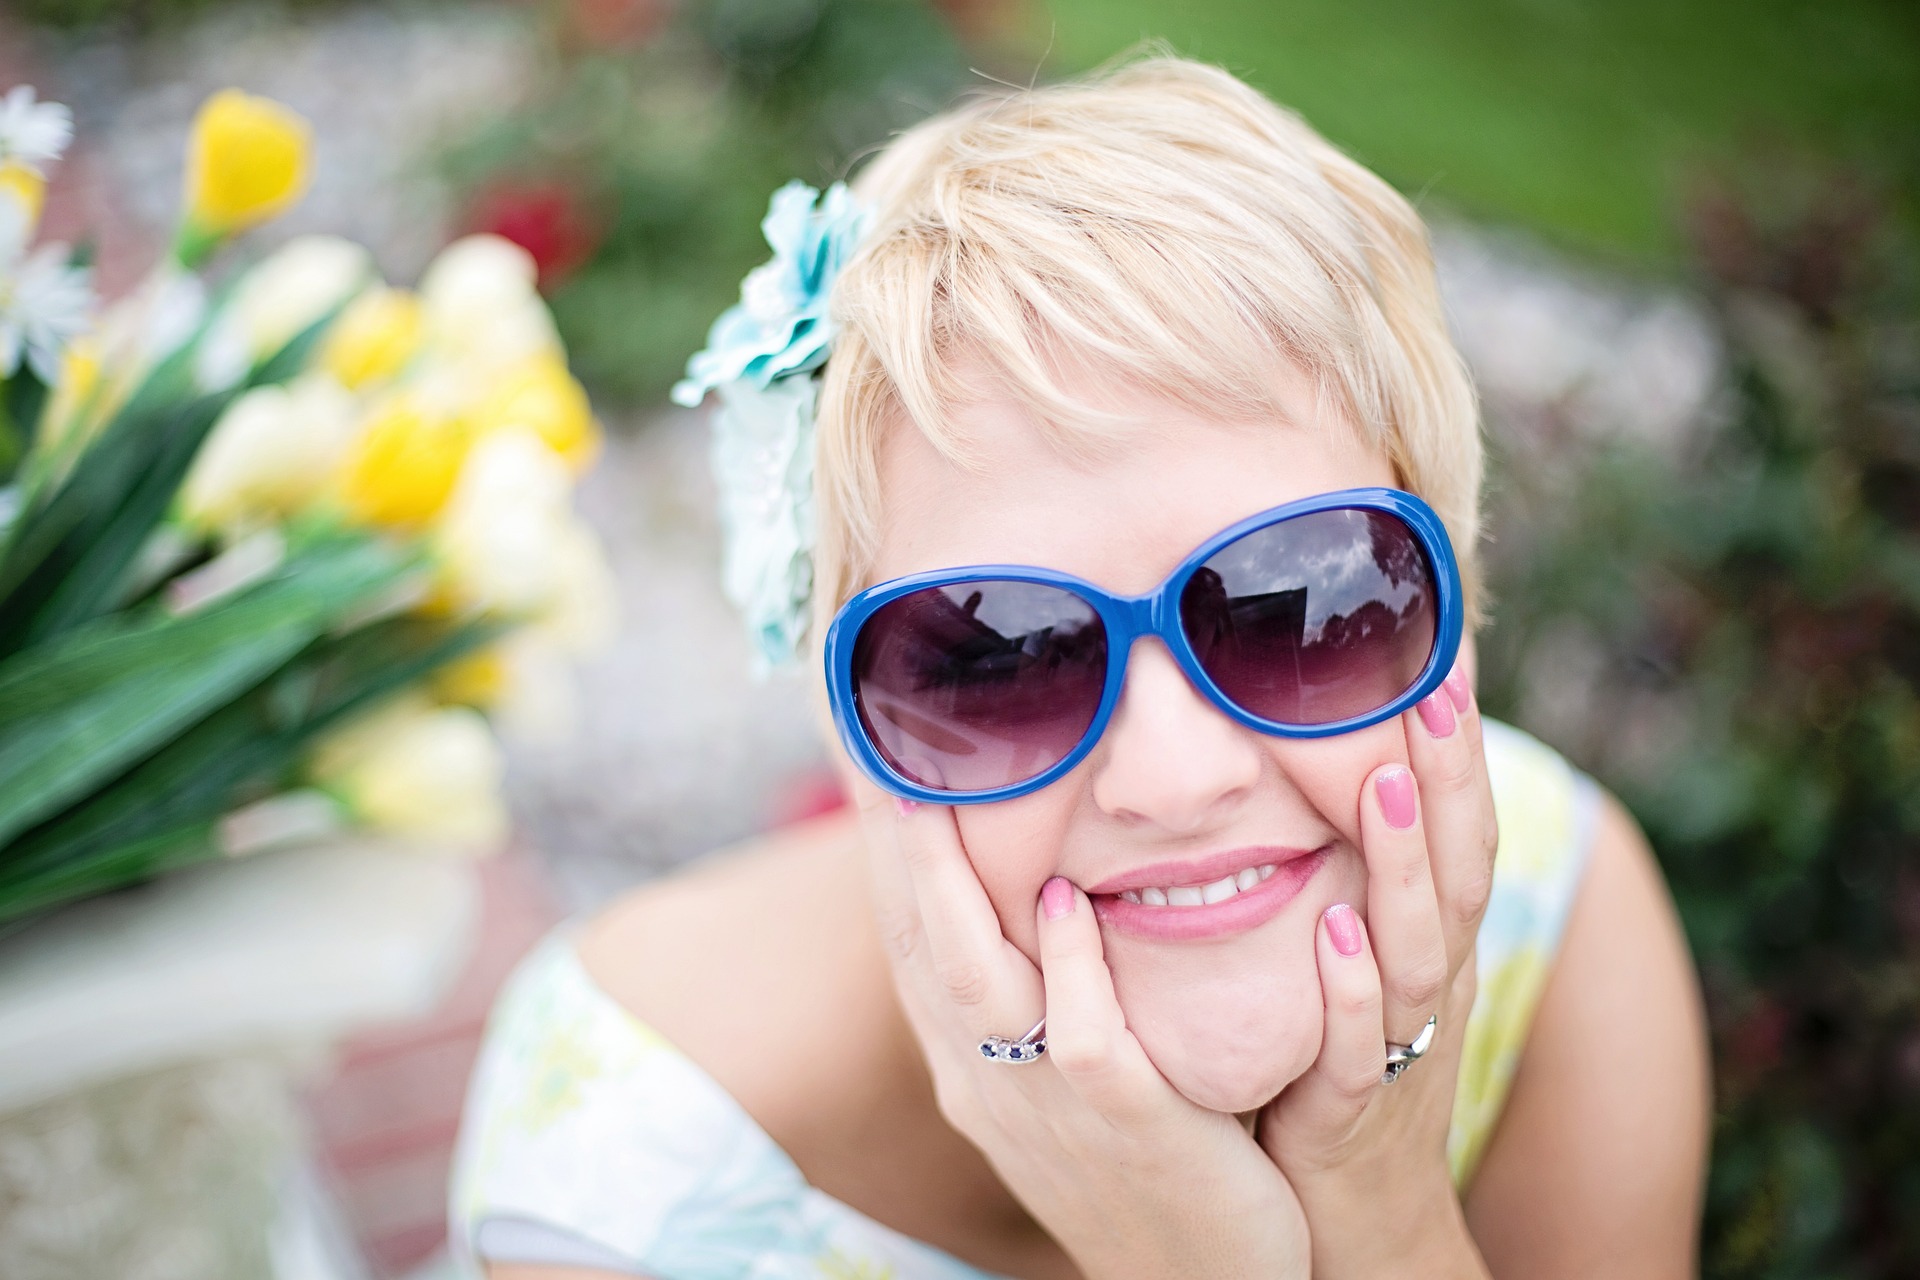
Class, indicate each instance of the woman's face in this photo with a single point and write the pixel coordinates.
(1174, 788)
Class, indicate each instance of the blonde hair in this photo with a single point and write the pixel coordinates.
(1162, 218)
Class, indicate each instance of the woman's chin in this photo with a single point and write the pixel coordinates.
(1226, 1053)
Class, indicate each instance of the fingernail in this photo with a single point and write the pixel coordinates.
(1436, 712)
(906, 806)
(1343, 926)
(1395, 789)
(1056, 897)
(1456, 686)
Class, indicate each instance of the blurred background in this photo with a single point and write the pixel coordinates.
(1680, 244)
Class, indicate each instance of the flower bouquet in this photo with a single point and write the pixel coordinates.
(272, 555)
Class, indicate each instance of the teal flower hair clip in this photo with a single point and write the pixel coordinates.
(762, 356)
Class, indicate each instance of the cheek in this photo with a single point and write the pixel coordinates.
(1015, 846)
(1331, 774)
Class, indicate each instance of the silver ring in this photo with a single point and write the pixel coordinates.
(1402, 1056)
(1027, 1048)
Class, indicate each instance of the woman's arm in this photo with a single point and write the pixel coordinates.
(1597, 1166)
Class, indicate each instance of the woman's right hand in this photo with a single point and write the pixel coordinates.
(1131, 1178)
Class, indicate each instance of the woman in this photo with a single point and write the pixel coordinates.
(1248, 949)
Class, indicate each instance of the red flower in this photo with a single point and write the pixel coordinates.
(548, 219)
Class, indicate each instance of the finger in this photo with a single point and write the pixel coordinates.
(1401, 902)
(967, 967)
(1353, 1051)
(1446, 750)
(1087, 1036)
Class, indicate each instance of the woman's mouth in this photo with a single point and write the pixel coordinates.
(1208, 897)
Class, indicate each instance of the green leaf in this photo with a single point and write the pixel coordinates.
(77, 712)
(71, 551)
(247, 749)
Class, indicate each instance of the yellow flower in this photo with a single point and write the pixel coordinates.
(500, 537)
(269, 455)
(477, 680)
(403, 465)
(427, 773)
(247, 161)
(543, 397)
(26, 189)
(71, 407)
(374, 338)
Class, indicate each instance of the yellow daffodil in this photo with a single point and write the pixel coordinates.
(500, 535)
(270, 454)
(374, 338)
(247, 161)
(477, 680)
(425, 773)
(403, 465)
(543, 397)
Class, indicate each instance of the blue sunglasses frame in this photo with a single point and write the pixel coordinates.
(1129, 618)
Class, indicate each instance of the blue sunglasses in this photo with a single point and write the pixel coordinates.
(1322, 616)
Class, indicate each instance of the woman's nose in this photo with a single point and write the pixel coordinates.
(1169, 756)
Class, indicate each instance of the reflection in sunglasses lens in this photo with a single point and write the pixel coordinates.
(979, 685)
(1316, 619)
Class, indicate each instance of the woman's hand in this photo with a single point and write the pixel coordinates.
(1126, 1174)
(1368, 1162)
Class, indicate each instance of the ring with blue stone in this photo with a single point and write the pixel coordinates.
(1028, 1048)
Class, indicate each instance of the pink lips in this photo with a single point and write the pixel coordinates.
(1241, 912)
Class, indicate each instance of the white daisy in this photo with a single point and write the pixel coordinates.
(44, 304)
(32, 133)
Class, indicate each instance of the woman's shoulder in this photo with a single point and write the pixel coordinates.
(611, 1101)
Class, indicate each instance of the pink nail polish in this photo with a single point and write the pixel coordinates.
(1456, 686)
(906, 806)
(1436, 712)
(1395, 789)
(1343, 926)
(1056, 897)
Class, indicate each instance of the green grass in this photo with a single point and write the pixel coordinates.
(1583, 119)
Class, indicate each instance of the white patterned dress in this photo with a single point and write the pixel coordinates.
(590, 1140)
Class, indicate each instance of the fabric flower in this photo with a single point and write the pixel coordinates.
(32, 134)
(763, 463)
(781, 325)
(760, 356)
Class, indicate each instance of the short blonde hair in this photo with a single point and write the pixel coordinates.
(1160, 217)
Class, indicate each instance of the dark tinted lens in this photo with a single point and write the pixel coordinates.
(1316, 619)
(981, 684)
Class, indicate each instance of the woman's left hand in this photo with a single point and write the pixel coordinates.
(1369, 1161)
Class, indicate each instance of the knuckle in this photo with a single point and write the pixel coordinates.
(965, 981)
(900, 932)
(1470, 903)
(1078, 1054)
(1355, 1086)
(1422, 986)
(1359, 1002)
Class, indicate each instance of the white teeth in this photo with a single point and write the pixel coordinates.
(1200, 895)
(1219, 890)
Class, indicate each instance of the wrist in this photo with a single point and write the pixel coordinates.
(1402, 1223)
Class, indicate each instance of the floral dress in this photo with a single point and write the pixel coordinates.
(591, 1141)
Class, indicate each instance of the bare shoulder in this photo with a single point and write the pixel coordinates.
(1596, 1168)
(741, 960)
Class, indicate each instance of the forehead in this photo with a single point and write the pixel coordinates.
(1122, 515)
